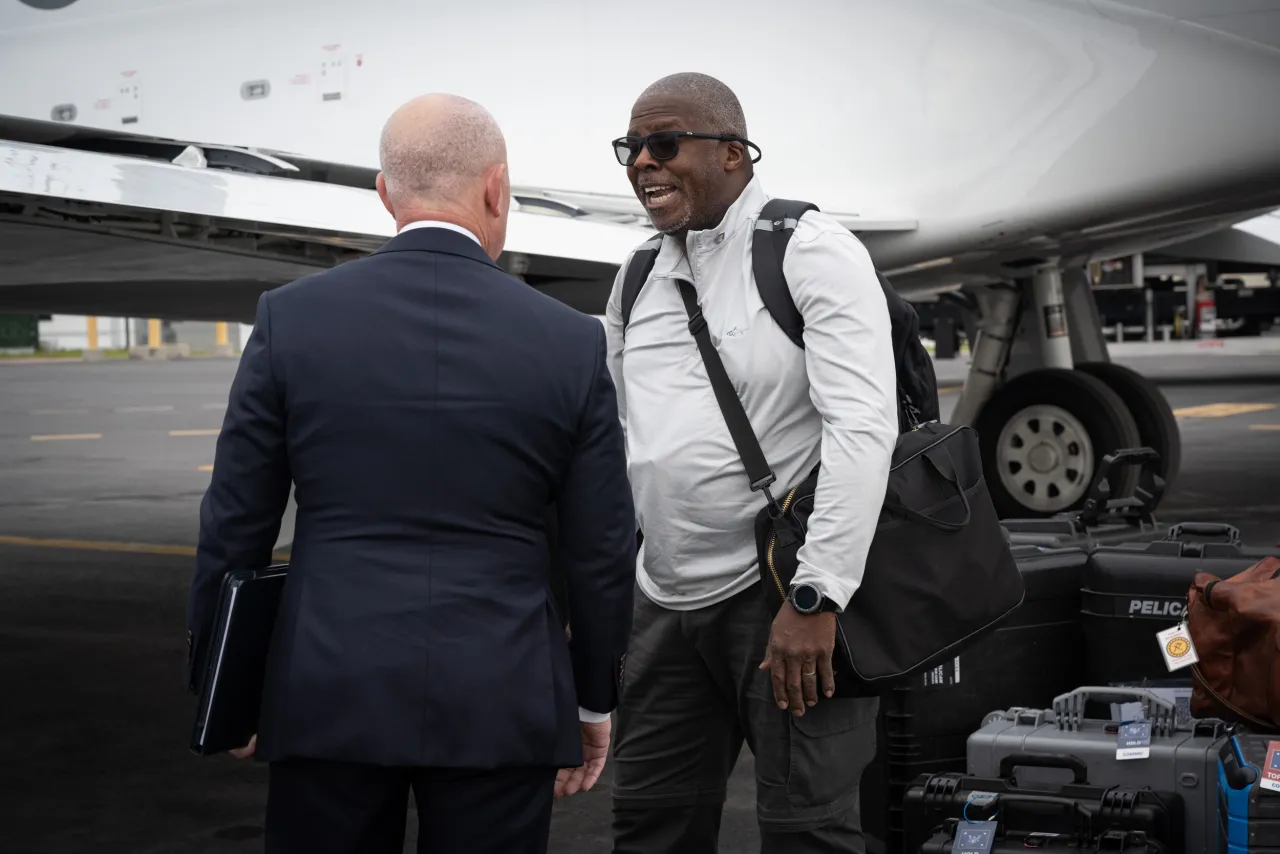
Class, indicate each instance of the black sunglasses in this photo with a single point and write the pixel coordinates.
(665, 144)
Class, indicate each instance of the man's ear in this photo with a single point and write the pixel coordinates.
(381, 184)
(495, 190)
(735, 156)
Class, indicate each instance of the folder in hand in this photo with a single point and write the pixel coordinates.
(231, 690)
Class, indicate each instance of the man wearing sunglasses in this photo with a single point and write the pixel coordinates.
(707, 668)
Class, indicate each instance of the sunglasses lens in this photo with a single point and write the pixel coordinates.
(627, 150)
(664, 146)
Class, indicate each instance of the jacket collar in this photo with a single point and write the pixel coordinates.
(741, 214)
(430, 239)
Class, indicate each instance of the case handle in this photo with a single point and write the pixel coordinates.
(1205, 529)
(1069, 708)
(1045, 760)
(1146, 497)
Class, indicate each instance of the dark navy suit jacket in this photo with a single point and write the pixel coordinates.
(429, 408)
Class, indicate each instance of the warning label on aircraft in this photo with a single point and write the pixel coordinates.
(1055, 321)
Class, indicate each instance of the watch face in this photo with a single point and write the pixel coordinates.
(805, 598)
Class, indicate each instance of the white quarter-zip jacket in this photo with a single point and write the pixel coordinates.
(833, 401)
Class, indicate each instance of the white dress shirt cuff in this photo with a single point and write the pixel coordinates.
(589, 717)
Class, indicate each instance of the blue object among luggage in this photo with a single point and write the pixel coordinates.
(1248, 815)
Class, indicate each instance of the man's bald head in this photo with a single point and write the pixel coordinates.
(444, 157)
(436, 147)
(713, 101)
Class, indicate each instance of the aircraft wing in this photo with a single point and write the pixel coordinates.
(103, 222)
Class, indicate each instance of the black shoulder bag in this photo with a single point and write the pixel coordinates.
(939, 575)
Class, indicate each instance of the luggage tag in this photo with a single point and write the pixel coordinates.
(1177, 648)
(974, 837)
(1270, 778)
(1134, 740)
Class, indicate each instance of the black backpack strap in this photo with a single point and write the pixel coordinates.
(774, 226)
(735, 417)
(637, 274)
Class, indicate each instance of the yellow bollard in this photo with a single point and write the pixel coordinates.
(223, 348)
(91, 351)
(153, 333)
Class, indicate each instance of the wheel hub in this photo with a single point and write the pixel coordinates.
(1045, 458)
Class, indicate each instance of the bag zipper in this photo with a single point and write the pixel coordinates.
(773, 538)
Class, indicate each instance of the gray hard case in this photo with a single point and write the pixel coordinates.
(1181, 761)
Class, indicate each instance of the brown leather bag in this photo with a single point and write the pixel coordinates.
(1235, 627)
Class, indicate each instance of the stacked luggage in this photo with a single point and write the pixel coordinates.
(1004, 749)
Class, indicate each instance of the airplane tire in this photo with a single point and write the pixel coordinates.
(1042, 436)
(1157, 426)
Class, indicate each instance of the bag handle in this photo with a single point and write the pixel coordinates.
(735, 417)
(948, 471)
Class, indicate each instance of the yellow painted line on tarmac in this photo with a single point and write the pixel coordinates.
(194, 432)
(950, 389)
(98, 546)
(65, 437)
(110, 546)
(206, 468)
(1264, 426)
(1222, 410)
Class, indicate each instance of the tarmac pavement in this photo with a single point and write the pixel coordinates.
(102, 468)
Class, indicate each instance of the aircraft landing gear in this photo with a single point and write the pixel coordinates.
(1044, 432)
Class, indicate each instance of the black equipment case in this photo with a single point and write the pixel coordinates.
(1034, 656)
(1134, 590)
(1077, 809)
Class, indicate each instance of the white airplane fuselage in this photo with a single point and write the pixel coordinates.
(1054, 125)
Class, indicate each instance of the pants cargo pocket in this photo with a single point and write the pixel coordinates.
(830, 746)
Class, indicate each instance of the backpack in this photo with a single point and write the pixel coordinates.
(917, 383)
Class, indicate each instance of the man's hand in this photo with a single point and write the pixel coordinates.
(246, 751)
(595, 747)
(799, 654)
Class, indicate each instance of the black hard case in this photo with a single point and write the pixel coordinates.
(924, 728)
(1132, 591)
(1077, 808)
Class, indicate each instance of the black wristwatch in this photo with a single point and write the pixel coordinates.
(807, 599)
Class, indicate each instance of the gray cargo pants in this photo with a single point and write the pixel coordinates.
(691, 692)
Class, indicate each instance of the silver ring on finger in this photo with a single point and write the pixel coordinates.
(809, 674)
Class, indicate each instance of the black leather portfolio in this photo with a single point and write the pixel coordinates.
(231, 690)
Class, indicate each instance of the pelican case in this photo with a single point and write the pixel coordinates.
(1035, 655)
(1080, 809)
(1132, 591)
(1184, 762)
(1248, 814)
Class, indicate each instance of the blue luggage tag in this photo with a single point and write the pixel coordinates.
(1134, 740)
(974, 837)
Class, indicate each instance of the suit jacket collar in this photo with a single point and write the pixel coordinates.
(437, 240)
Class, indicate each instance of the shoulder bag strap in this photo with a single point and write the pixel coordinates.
(744, 438)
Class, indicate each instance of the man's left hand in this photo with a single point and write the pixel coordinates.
(799, 654)
(246, 751)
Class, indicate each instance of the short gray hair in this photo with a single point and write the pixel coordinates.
(715, 102)
(437, 146)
